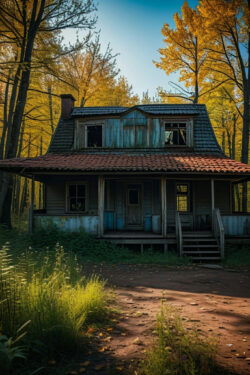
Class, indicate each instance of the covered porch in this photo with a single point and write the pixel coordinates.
(145, 209)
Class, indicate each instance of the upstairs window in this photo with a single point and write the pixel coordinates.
(182, 197)
(175, 134)
(94, 136)
(77, 197)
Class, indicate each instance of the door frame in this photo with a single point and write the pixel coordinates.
(141, 197)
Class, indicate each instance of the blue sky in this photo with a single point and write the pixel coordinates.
(133, 29)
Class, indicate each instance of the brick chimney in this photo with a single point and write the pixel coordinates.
(67, 104)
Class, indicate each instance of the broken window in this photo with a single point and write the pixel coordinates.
(77, 197)
(176, 134)
(94, 136)
(182, 197)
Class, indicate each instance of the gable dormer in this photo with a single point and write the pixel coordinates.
(162, 127)
(133, 129)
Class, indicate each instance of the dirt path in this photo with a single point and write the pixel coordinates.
(217, 302)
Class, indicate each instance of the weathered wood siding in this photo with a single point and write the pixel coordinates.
(69, 223)
(236, 225)
(56, 194)
(222, 192)
(115, 210)
(55, 198)
(171, 204)
(134, 130)
(115, 203)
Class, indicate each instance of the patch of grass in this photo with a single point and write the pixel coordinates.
(87, 248)
(178, 351)
(45, 290)
(237, 257)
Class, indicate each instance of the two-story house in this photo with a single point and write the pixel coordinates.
(150, 174)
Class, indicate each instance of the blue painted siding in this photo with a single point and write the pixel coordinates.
(109, 220)
(69, 223)
(235, 225)
(134, 126)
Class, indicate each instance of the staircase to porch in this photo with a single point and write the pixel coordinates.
(201, 246)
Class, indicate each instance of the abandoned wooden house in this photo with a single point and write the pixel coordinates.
(150, 174)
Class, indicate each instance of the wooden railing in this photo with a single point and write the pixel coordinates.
(218, 229)
(178, 233)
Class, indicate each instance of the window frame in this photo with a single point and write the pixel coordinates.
(189, 131)
(188, 195)
(67, 197)
(81, 134)
(86, 135)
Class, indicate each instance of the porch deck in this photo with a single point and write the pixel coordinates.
(131, 234)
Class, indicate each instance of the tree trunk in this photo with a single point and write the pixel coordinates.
(51, 110)
(196, 93)
(16, 107)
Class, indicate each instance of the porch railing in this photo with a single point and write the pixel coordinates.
(178, 233)
(218, 229)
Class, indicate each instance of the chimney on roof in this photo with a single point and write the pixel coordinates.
(67, 104)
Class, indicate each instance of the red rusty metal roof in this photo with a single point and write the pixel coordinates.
(150, 162)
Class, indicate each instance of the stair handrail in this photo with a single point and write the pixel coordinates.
(218, 229)
(178, 229)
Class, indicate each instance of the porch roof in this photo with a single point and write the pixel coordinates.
(128, 162)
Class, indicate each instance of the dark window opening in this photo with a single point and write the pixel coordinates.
(77, 198)
(176, 134)
(182, 197)
(94, 136)
(133, 196)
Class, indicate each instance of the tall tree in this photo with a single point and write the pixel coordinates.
(185, 52)
(21, 24)
(227, 23)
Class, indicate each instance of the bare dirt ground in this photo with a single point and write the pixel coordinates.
(214, 301)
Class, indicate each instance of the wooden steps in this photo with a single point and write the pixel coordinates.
(200, 246)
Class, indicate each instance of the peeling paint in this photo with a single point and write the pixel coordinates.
(70, 223)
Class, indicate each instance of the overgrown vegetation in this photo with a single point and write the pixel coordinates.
(87, 247)
(178, 351)
(46, 306)
(237, 257)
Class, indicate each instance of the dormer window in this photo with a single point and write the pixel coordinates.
(94, 136)
(176, 133)
(89, 134)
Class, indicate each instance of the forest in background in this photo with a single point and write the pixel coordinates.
(209, 48)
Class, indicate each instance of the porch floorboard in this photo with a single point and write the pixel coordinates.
(131, 235)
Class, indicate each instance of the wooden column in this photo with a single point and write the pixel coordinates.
(164, 206)
(101, 185)
(31, 209)
(212, 200)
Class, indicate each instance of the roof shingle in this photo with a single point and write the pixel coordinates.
(189, 163)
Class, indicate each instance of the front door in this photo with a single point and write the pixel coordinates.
(134, 206)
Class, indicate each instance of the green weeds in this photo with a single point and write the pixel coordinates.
(178, 351)
(88, 248)
(45, 293)
(237, 257)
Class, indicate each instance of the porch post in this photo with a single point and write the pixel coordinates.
(101, 184)
(164, 206)
(31, 209)
(212, 200)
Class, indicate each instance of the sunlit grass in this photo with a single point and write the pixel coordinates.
(48, 291)
(177, 350)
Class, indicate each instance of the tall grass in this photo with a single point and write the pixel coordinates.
(178, 351)
(237, 256)
(47, 290)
